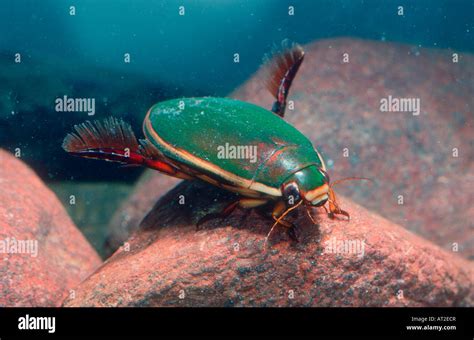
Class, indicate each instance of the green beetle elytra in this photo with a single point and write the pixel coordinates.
(183, 136)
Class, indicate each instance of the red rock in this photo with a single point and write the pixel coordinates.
(167, 262)
(150, 187)
(30, 211)
(337, 106)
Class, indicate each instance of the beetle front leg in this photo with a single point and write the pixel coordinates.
(334, 208)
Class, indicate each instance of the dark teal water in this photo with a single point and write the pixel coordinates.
(82, 55)
(195, 51)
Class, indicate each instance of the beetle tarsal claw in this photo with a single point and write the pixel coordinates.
(337, 211)
(345, 213)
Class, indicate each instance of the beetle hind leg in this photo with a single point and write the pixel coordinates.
(280, 69)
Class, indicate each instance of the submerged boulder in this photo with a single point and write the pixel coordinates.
(131, 212)
(367, 261)
(419, 155)
(420, 161)
(43, 255)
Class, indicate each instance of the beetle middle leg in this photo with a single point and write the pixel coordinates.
(246, 203)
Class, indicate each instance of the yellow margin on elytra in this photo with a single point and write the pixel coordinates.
(323, 165)
(243, 182)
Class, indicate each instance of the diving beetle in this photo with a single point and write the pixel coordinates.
(182, 137)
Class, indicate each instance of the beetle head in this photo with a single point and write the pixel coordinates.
(310, 184)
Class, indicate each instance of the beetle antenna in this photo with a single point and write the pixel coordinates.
(280, 68)
(333, 184)
(309, 214)
(278, 221)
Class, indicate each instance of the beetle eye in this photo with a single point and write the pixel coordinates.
(291, 193)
